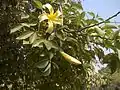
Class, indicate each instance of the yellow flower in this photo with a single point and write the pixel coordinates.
(52, 17)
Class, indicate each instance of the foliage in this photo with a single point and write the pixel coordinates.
(38, 43)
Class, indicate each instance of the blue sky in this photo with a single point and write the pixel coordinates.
(104, 8)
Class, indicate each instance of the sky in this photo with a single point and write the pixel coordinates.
(104, 8)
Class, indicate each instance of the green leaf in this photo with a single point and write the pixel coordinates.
(109, 26)
(37, 4)
(91, 21)
(25, 42)
(51, 55)
(115, 34)
(107, 58)
(91, 14)
(25, 35)
(113, 66)
(52, 36)
(47, 71)
(50, 44)
(99, 31)
(101, 19)
(118, 51)
(33, 37)
(16, 29)
(55, 66)
(48, 67)
(23, 16)
(112, 61)
(42, 64)
(25, 24)
(60, 35)
(36, 43)
(77, 6)
(99, 52)
(28, 25)
(108, 44)
(117, 44)
(82, 15)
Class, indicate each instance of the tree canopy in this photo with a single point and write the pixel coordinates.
(54, 45)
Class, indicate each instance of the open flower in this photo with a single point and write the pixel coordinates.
(52, 17)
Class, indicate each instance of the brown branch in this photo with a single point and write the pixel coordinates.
(99, 22)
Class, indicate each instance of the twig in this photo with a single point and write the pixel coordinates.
(115, 22)
(99, 22)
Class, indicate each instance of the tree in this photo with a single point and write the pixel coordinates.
(51, 44)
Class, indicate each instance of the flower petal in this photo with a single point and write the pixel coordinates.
(58, 21)
(50, 27)
(43, 17)
(58, 13)
(50, 8)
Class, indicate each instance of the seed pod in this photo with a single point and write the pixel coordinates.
(70, 59)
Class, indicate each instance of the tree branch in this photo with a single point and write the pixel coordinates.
(99, 22)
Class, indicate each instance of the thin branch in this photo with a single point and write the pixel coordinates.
(99, 22)
(114, 22)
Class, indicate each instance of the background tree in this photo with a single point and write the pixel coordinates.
(45, 49)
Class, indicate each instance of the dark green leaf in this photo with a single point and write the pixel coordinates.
(91, 14)
(77, 6)
(50, 44)
(36, 43)
(33, 37)
(99, 52)
(115, 34)
(48, 67)
(42, 64)
(25, 35)
(109, 57)
(113, 66)
(82, 15)
(101, 19)
(60, 35)
(47, 71)
(52, 36)
(110, 26)
(37, 4)
(91, 21)
(55, 65)
(117, 44)
(118, 51)
(112, 61)
(16, 29)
